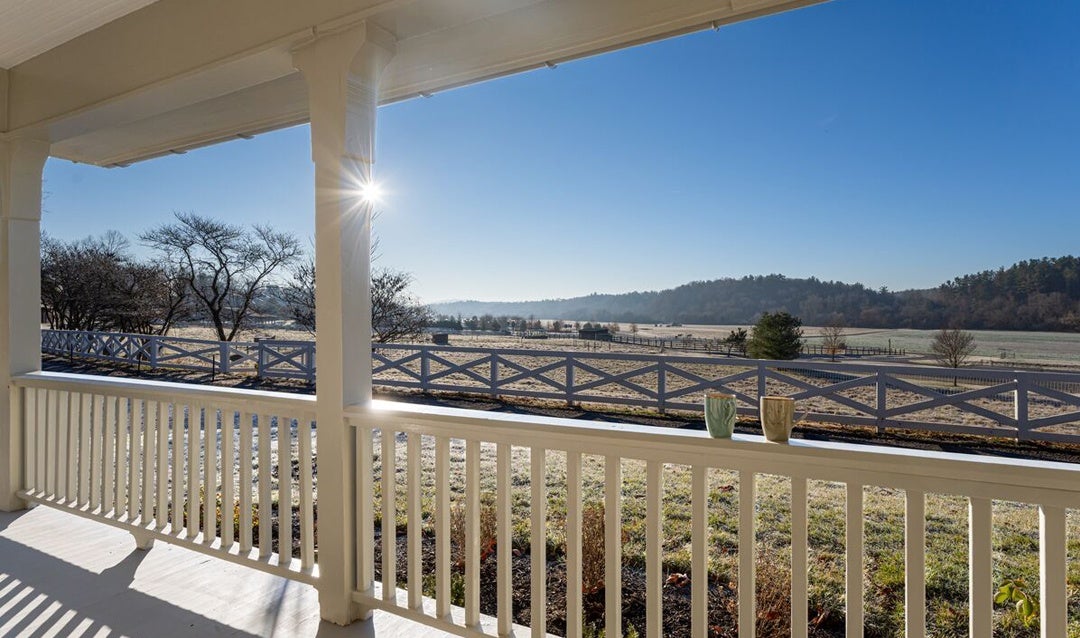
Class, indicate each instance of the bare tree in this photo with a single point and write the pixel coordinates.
(952, 347)
(832, 337)
(94, 284)
(298, 294)
(395, 314)
(224, 266)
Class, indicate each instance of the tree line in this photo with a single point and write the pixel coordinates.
(1041, 294)
(201, 269)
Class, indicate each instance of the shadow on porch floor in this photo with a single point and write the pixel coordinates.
(61, 575)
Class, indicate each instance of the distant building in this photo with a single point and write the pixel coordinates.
(599, 333)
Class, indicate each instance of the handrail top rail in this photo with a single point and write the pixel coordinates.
(152, 388)
(798, 456)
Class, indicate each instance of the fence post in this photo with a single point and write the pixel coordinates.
(494, 375)
(425, 369)
(881, 397)
(225, 358)
(661, 386)
(762, 389)
(1020, 405)
(153, 351)
(569, 381)
(260, 359)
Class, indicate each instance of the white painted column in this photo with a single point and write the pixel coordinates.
(342, 71)
(21, 163)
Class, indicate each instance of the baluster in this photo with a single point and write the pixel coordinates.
(285, 497)
(97, 451)
(228, 482)
(178, 437)
(747, 556)
(123, 417)
(413, 537)
(135, 412)
(573, 543)
(365, 515)
(51, 464)
(613, 546)
(161, 515)
(504, 573)
(194, 431)
(41, 414)
(699, 560)
(799, 544)
(149, 448)
(854, 562)
(209, 491)
(108, 486)
(442, 527)
(265, 494)
(86, 451)
(981, 588)
(71, 494)
(915, 565)
(30, 427)
(654, 551)
(307, 512)
(472, 533)
(62, 429)
(1053, 562)
(538, 541)
(389, 514)
(247, 422)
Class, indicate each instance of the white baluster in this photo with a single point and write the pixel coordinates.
(414, 538)
(247, 423)
(472, 533)
(265, 488)
(915, 565)
(1053, 562)
(228, 480)
(389, 516)
(613, 546)
(285, 495)
(442, 527)
(799, 547)
(699, 559)
(654, 550)
(505, 554)
(538, 541)
(854, 562)
(307, 494)
(747, 556)
(981, 588)
(573, 543)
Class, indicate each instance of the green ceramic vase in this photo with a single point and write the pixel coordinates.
(720, 414)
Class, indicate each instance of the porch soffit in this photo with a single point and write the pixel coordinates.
(31, 27)
(179, 74)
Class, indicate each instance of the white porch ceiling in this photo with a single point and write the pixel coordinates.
(179, 74)
(32, 27)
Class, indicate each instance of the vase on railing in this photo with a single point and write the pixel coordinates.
(777, 418)
(720, 414)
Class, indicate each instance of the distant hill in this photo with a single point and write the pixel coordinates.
(1039, 294)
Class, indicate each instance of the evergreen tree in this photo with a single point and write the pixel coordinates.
(777, 335)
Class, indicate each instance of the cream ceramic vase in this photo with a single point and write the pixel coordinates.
(777, 418)
(720, 414)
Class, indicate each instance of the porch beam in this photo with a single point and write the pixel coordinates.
(342, 72)
(21, 165)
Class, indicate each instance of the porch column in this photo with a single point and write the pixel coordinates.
(21, 163)
(342, 71)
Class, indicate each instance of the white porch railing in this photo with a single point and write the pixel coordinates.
(206, 467)
(421, 439)
(153, 458)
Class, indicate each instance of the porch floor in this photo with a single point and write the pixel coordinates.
(62, 575)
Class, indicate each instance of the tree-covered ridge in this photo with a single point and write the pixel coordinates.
(1040, 294)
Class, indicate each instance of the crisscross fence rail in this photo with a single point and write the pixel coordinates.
(1016, 404)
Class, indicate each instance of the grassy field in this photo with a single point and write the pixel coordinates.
(1015, 546)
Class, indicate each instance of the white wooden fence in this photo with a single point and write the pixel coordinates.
(1038, 406)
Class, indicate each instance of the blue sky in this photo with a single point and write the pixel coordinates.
(893, 142)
